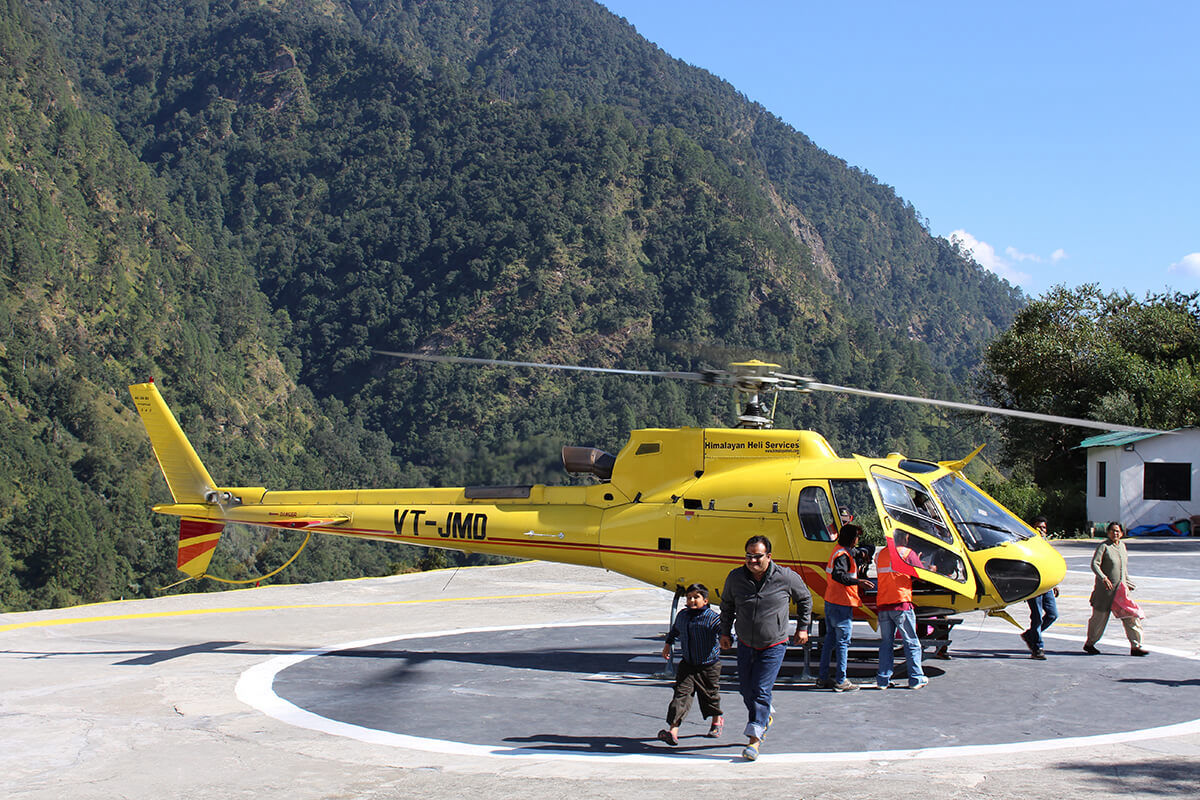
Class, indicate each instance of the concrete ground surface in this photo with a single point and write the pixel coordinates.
(236, 695)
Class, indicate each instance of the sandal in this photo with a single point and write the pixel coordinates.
(718, 727)
(668, 737)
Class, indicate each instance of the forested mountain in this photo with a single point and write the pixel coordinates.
(106, 283)
(244, 199)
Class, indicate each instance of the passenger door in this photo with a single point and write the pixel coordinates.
(904, 504)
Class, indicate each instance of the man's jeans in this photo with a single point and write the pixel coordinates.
(839, 624)
(757, 670)
(1043, 610)
(891, 621)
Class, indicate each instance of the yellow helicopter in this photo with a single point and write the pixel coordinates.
(673, 507)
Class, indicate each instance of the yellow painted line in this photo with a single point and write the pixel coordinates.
(49, 623)
(1140, 601)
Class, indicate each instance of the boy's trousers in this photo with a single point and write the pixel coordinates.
(704, 682)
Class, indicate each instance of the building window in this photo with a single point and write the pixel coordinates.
(1167, 481)
(1101, 479)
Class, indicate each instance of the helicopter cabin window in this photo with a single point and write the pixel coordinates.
(816, 515)
(853, 501)
(909, 503)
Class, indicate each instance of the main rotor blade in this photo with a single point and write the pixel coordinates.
(687, 376)
(1008, 412)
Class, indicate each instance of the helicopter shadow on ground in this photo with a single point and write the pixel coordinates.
(1170, 777)
(599, 665)
(862, 671)
(1162, 681)
(611, 745)
(145, 656)
(580, 661)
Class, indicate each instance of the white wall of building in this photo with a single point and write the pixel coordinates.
(1126, 475)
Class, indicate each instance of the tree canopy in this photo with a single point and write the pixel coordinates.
(1095, 355)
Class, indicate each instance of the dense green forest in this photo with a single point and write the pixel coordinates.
(1086, 353)
(243, 200)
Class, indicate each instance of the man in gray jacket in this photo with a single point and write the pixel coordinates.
(755, 600)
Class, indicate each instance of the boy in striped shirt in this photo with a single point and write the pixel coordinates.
(698, 629)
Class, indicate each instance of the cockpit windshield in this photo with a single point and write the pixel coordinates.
(980, 521)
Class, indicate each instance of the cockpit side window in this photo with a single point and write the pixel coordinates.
(914, 515)
(909, 502)
(936, 558)
(816, 516)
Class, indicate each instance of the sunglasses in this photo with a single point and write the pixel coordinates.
(756, 556)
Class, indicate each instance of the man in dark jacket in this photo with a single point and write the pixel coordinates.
(755, 601)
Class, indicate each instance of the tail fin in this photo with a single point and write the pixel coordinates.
(186, 476)
(197, 541)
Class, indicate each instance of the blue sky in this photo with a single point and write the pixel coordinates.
(1060, 140)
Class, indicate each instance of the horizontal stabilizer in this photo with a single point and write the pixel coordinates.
(295, 518)
(324, 522)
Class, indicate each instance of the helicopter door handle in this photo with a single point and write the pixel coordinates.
(559, 535)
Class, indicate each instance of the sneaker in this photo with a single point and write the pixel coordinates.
(770, 721)
(1030, 641)
(883, 686)
(718, 727)
(1091, 650)
(921, 684)
(824, 683)
(1137, 651)
(1039, 655)
(666, 736)
(750, 752)
(846, 686)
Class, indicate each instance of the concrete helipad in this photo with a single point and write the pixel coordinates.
(538, 680)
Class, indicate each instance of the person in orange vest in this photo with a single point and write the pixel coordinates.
(894, 571)
(841, 598)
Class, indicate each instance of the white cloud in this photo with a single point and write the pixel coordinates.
(1059, 255)
(1017, 255)
(987, 257)
(1188, 265)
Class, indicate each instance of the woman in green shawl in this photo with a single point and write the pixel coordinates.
(1110, 563)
